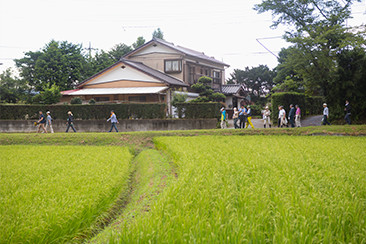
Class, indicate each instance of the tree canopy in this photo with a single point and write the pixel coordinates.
(321, 41)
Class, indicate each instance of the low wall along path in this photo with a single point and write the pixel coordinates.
(104, 126)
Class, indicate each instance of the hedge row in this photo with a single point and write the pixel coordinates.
(308, 105)
(198, 110)
(314, 105)
(102, 111)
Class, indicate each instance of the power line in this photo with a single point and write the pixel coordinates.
(266, 38)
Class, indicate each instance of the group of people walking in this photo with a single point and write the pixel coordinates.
(46, 122)
(294, 116)
(243, 116)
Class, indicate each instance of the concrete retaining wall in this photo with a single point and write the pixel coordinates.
(103, 126)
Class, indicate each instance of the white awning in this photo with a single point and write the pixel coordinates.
(111, 91)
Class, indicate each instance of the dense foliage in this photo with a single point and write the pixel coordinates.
(327, 58)
(97, 111)
(206, 93)
(257, 81)
(198, 110)
(285, 99)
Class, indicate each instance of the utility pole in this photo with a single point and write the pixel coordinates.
(90, 50)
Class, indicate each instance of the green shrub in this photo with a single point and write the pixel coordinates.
(76, 100)
(314, 105)
(97, 111)
(92, 101)
(285, 99)
(198, 110)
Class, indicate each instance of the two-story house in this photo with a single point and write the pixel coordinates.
(180, 62)
(150, 73)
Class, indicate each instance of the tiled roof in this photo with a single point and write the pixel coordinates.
(155, 73)
(184, 50)
(230, 89)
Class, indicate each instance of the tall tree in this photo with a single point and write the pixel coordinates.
(158, 34)
(321, 42)
(257, 80)
(318, 34)
(139, 42)
(118, 51)
(12, 89)
(59, 63)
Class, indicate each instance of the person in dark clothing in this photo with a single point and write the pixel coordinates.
(291, 115)
(41, 122)
(347, 109)
(242, 117)
(70, 122)
(325, 114)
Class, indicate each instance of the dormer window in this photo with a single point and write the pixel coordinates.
(173, 66)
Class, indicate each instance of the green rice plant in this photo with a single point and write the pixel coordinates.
(51, 194)
(258, 189)
(153, 174)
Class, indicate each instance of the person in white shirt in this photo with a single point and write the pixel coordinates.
(49, 121)
(325, 114)
(281, 117)
(114, 121)
(236, 118)
(266, 117)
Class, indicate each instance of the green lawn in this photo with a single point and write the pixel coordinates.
(54, 193)
(234, 189)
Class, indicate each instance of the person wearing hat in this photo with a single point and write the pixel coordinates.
(249, 117)
(223, 118)
(114, 121)
(325, 114)
(41, 121)
(298, 116)
(266, 117)
(70, 122)
(49, 121)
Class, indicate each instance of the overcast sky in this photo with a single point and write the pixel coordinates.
(225, 29)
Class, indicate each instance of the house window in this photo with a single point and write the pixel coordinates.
(140, 99)
(217, 77)
(173, 66)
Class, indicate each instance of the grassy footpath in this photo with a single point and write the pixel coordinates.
(53, 194)
(153, 173)
(141, 140)
(278, 189)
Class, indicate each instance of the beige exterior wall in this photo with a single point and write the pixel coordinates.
(156, 61)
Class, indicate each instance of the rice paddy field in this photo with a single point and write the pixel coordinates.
(258, 189)
(51, 194)
(197, 187)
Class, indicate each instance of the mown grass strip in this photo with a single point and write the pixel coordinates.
(259, 189)
(51, 194)
(154, 172)
(143, 139)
